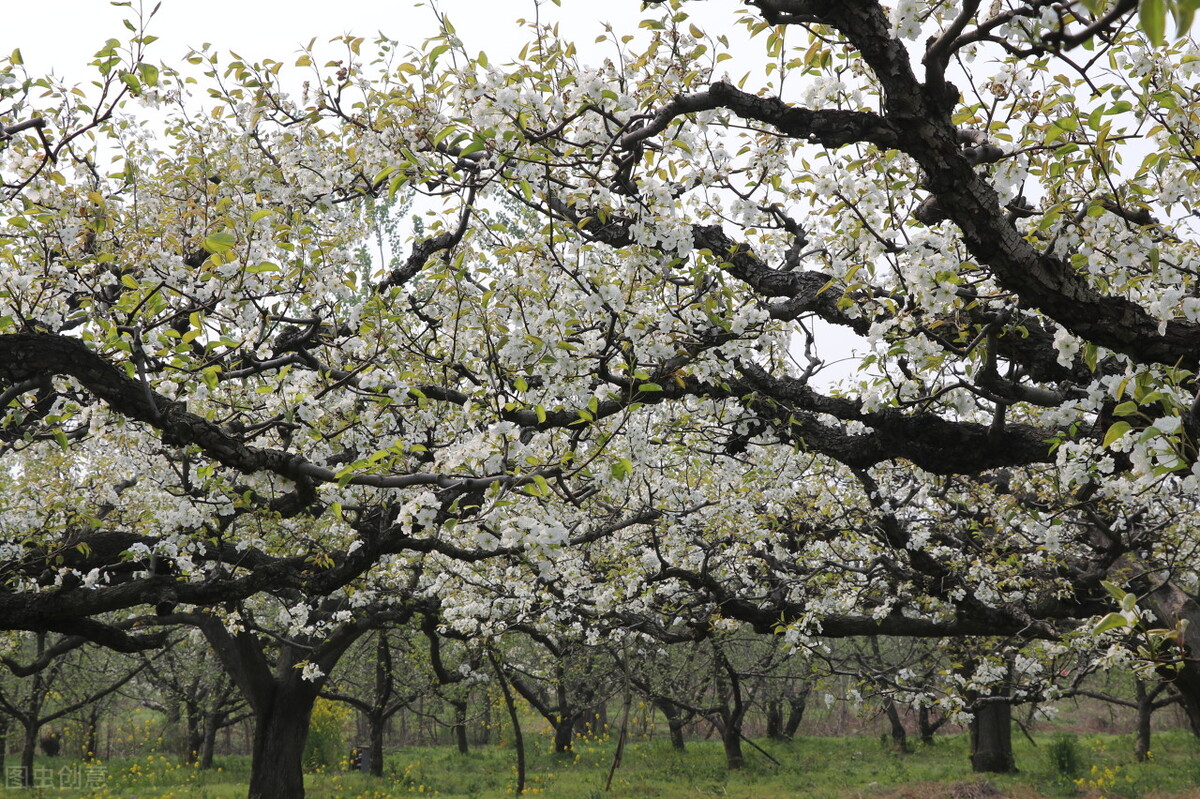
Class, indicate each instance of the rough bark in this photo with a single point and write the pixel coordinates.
(1145, 711)
(460, 726)
(991, 738)
(279, 697)
(898, 733)
(28, 750)
(927, 726)
(280, 730)
(732, 710)
(209, 743)
(775, 719)
(1172, 605)
(675, 721)
(797, 704)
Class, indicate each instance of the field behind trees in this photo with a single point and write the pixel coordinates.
(814, 768)
(845, 747)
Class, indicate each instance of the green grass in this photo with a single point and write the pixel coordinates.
(814, 768)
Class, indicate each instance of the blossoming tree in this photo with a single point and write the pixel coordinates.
(222, 379)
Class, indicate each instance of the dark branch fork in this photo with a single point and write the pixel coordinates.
(916, 120)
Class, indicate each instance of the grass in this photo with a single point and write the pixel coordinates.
(814, 768)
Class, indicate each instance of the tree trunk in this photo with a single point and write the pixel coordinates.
(564, 728)
(1145, 709)
(731, 740)
(373, 762)
(675, 727)
(564, 732)
(209, 742)
(1186, 681)
(483, 735)
(92, 735)
(195, 742)
(592, 720)
(675, 723)
(733, 708)
(460, 726)
(518, 738)
(797, 704)
(899, 734)
(1172, 605)
(991, 738)
(280, 730)
(28, 749)
(3, 740)
(775, 719)
(194, 737)
(926, 725)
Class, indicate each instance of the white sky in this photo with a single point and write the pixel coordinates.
(63, 34)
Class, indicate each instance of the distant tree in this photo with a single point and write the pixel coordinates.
(57, 678)
(188, 677)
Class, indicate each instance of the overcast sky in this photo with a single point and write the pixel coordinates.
(63, 34)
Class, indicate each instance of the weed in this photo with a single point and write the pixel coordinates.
(1064, 756)
(815, 768)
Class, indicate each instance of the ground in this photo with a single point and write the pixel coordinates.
(813, 768)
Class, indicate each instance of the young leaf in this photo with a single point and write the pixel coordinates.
(1152, 16)
(1111, 622)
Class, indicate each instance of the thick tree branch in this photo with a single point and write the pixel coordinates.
(829, 127)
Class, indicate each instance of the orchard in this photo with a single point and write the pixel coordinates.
(293, 351)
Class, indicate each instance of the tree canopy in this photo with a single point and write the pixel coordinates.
(539, 344)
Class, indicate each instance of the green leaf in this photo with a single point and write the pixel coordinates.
(1114, 590)
(395, 185)
(538, 488)
(1184, 11)
(436, 52)
(1115, 432)
(1125, 409)
(149, 74)
(477, 143)
(344, 476)
(1111, 622)
(220, 242)
(1152, 16)
(622, 468)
